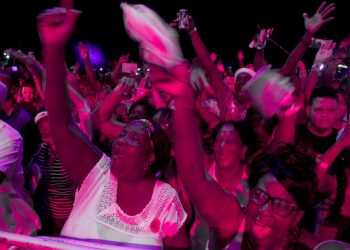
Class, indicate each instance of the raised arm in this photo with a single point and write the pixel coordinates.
(211, 119)
(204, 57)
(324, 54)
(312, 25)
(34, 67)
(226, 98)
(259, 43)
(116, 71)
(102, 116)
(220, 210)
(328, 158)
(85, 54)
(287, 122)
(75, 151)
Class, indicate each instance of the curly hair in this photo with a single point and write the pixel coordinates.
(293, 167)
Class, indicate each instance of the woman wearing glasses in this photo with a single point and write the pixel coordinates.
(282, 182)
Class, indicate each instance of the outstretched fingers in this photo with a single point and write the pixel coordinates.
(329, 9)
(328, 19)
(320, 8)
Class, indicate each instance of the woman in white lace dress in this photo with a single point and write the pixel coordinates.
(118, 199)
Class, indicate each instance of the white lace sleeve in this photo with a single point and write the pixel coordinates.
(91, 180)
(173, 217)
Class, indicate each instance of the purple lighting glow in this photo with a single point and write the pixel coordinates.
(97, 56)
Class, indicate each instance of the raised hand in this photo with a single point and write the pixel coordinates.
(240, 56)
(190, 27)
(124, 58)
(302, 69)
(314, 23)
(259, 40)
(84, 51)
(325, 52)
(291, 110)
(175, 82)
(56, 25)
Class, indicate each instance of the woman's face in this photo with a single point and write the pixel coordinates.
(263, 226)
(132, 152)
(228, 147)
(28, 94)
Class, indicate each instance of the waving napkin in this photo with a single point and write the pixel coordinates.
(158, 41)
(270, 91)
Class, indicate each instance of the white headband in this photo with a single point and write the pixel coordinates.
(244, 70)
(40, 116)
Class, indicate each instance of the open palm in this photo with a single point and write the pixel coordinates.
(314, 23)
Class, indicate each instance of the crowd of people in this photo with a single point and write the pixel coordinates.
(191, 156)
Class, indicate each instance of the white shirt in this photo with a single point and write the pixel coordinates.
(16, 212)
(11, 153)
(96, 214)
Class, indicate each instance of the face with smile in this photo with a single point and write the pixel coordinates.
(228, 147)
(131, 152)
(269, 225)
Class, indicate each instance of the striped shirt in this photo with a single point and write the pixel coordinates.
(56, 187)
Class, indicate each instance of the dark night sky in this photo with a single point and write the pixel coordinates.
(225, 26)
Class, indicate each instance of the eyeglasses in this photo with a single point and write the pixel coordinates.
(280, 206)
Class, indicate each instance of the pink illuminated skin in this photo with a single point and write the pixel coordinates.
(131, 150)
(228, 147)
(28, 94)
(263, 226)
(322, 115)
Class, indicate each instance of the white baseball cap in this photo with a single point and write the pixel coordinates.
(41, 115)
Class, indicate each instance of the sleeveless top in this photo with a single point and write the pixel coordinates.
(96, 214)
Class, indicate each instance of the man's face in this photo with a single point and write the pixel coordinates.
(322, 113)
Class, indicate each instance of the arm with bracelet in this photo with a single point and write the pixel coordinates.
(327, 159)
(323, 55)
(226, 98)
